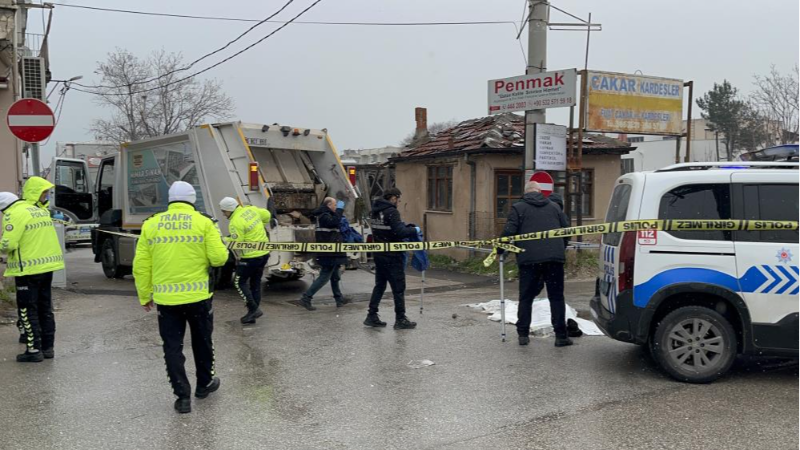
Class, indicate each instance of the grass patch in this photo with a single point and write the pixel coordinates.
(579, 265)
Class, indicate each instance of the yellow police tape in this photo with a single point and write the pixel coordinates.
(507, 242)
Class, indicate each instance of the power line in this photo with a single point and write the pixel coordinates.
(300, 22)
(207, 68)
(207, 55)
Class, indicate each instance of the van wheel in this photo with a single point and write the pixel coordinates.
(108, 259)
(694, 344)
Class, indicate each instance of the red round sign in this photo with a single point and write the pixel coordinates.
(545, 181)
(30, 120)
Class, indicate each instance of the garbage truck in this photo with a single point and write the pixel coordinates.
(287, 170)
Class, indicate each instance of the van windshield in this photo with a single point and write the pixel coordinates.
(617, 211)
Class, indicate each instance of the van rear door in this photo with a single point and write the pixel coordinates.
(610, 244)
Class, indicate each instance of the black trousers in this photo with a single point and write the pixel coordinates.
(172, 322)
(35, 309)
(389, 269)
(530, 279)
(248, 280)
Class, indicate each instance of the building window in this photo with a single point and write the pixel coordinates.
(587, 203)
(508, 190)
(440, 188)
(626, 165)
(636, 139)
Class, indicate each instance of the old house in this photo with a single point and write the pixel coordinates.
(460, 184)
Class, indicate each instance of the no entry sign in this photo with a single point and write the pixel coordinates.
(545, 182)
(30, 120)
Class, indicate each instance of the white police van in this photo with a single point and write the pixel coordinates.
(699, 298)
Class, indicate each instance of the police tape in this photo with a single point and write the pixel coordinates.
(507, 242)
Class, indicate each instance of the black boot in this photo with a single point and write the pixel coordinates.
(402, 323)
(563, 341)
(572, 329)
(306, 303)
(342, 301)
(258, 313)
(49, 353)
(30, 357)
(183, 405)
(373, 320)
(251, 315)
(524, 340)
(202, 392)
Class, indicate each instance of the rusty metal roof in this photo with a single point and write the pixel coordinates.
(502, 132)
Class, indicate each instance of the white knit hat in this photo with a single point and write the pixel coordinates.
(228, 204)
(181, 191)
(6, 199)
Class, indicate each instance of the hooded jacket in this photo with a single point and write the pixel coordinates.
(387, 226)
(328, 230)
(33, 190)
(536, 213)
(246, 224)
(29, 237)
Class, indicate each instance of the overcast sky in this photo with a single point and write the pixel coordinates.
(362, 83)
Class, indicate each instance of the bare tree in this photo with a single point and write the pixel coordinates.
(776, 95)
(149, 98)
(433, 129)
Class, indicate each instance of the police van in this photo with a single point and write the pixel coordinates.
(697, 299)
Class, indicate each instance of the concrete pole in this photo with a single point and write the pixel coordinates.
(537, 62)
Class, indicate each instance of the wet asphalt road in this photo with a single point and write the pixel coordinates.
(321, 380)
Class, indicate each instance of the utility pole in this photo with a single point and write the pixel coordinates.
(537, 63)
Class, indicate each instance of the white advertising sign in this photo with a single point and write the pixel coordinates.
(551, 147)
(534, 91)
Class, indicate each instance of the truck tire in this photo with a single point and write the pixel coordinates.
(694, 344)
(108, 259)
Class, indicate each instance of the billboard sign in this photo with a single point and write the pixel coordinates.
(551, 147)
(535, 91)
(622, 103)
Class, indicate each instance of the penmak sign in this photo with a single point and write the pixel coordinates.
(621, 103)
(534, 91)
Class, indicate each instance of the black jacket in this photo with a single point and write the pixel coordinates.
(386, 224)
(327, 231)
(536, 213)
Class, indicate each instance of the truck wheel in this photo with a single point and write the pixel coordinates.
(694, 344)
(108, 259)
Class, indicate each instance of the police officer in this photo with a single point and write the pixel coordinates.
(171, 269)
(34, 253)
(247, 224)
(387, 227)
(328, 218)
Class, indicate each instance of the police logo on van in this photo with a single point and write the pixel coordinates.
(784, 255)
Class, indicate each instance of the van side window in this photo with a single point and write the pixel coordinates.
(698, 202)
(768, 202)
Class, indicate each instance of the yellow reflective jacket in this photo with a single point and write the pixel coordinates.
(29, 237)
(173, 255)
(247, 225)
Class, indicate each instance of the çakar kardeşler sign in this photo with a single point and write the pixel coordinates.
(551, 147)
(534, 91)
(621, 103)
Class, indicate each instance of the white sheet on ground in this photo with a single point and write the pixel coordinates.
(540, 317)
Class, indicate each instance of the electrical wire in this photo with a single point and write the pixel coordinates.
(299, 22)
(207, 68)
(207, 55)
